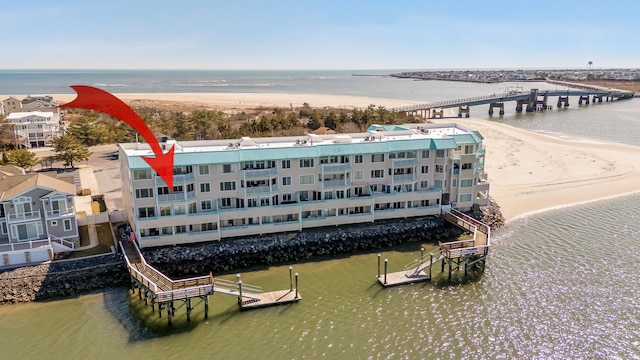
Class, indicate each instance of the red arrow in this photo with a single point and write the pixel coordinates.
(92, 98)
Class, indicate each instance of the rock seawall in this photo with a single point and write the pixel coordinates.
(233, 254)
(59, 279)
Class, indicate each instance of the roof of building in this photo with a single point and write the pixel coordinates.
(378, 139)
(11, 186)
(23, 114)
(10, 170)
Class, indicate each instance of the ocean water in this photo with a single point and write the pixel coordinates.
(558, 285)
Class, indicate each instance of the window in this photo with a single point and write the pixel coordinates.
(424, 184)
(358, 159)
(180, 170)
(167, 230)
(141, 193)
(358, 174)
(181, 229)
(377, 158)
(165, 210)
(205, 187)
(454, 183)
(53, 223)
(304, 195)
(225, 202)
(58, 206)
(440, 153)
(466, 183)
(465, 198)
(227, 186)
(306, 163)
(286, 164)
(207, 227)
(467, 166)
(424, 169)
(23, 205)
(29, 231)
(178, 209)
(437, 183)
(227, 168)
(146, 212)
(206, 205)
(264, 201)
(252, 202)
(306, 179)
(141, 174)
(163, 190)
(377, 174)
(425, 154)
(286, 180)
(203, 169)
(192, 208)
(67, 224)
(439, 168)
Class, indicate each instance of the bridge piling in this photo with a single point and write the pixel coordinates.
(498, 105)
(563, 100)
(584, 98)
(463, 110)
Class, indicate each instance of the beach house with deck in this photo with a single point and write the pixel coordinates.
(251, 186)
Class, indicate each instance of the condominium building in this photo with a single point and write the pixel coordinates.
(251, 186)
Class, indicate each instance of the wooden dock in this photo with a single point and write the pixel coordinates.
(271, 298)
(402, 278)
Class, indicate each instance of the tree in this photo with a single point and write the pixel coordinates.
(69, 149)
(21, 157)
(88, 129)
(7, 136)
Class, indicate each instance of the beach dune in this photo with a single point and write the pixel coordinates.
(529, 172)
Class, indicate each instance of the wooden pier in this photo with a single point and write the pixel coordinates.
(164, 292)
(457, 254)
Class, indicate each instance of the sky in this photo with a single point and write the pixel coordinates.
(319, 34)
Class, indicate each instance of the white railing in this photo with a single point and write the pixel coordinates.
(258, 173)
(25, 245)
(62, 242)
(404, 162)
(171, 197)
(336, 167)
(33, 215)
(336, 183)
(261, 189)
(405, 177)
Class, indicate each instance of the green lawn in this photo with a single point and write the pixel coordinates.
(105, 238)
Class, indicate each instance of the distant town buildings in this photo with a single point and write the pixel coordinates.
(494, 76)
(253, 186)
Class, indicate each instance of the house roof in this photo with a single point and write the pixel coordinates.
(10, 170)
(11, 186)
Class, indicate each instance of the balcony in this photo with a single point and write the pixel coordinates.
(405, 177)
(336, 183)
(177, 179)
(50, 214)
(261, 189)
(260, 173)
(404, 162)
(178, 196)
(336, 167)
(34, 215)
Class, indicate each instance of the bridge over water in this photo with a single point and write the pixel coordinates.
(535, 100)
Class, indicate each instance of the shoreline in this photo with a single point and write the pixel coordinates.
(529, 172)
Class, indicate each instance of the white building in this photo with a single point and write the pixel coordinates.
(255, 186)
(35, 129)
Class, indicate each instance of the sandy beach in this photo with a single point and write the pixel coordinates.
(529, 172)
(243, 101)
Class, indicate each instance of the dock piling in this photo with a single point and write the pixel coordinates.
(290, 278)
(296, 285)
(385, 270)
(379, 266)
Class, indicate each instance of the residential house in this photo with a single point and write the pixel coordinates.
(35, 129)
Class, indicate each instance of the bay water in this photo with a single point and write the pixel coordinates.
(558, 285)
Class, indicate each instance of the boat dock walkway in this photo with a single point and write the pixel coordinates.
(164, 291)
(454, 253)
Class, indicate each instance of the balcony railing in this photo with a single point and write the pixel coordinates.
(34, 215)
(59, 213)
(177, 178)
(405, 177)
(404, 162)
(261, 189)
(260, 173)
(336, 167)
(177, 196)
(336, 183)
